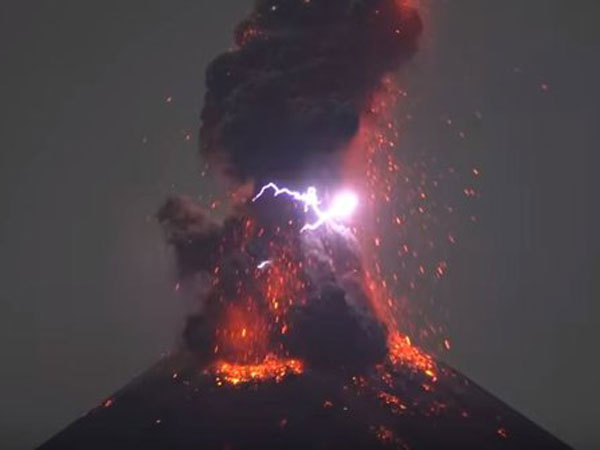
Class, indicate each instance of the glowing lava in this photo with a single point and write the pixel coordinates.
(401, 351)
(341, 207)
(272, 368)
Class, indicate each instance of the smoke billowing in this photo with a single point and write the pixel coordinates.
(286, 100)
(290, 96)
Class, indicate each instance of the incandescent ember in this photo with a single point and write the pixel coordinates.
(272, 368)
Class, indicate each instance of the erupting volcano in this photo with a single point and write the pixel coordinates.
(305, 331)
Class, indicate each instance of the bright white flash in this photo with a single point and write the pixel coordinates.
(263, 265)
(341, 207)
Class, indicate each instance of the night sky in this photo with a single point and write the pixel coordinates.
(97, 101)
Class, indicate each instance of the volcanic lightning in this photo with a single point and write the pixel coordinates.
(342, 206)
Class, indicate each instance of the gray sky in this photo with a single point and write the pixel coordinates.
(90, 147)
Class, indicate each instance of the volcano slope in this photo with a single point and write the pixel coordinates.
(178, 405)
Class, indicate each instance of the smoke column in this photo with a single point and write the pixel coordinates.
(290, 96)
(285, 104)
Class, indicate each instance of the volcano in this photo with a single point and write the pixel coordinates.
(178, 405)
(307, 305)
(292, 348)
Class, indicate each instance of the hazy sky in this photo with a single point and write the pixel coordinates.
(90, 147)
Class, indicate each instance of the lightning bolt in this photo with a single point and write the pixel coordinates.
(342, 206)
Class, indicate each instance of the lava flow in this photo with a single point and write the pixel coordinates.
(272, 368)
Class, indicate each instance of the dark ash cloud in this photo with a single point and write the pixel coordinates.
(290, 96)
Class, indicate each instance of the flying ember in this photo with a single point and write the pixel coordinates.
(341, 207)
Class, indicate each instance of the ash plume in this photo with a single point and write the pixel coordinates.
(290, 96)
(285, 101)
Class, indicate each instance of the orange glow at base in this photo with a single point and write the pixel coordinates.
(401, 351)
(272, 368)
